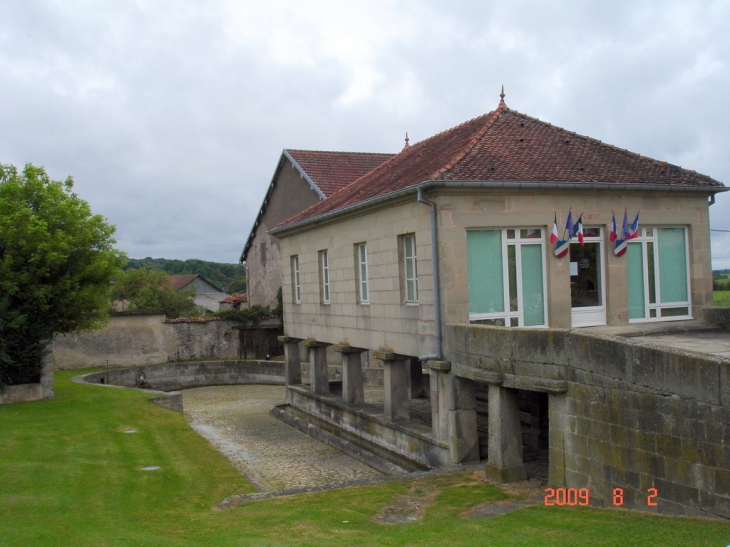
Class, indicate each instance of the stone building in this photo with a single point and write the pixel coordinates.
(441, 256)
(301, 179)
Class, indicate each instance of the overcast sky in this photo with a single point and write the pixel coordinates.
(171, 116)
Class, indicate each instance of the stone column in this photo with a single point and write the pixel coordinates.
(352, 380)
(453, 412)
(438, 373)
(47, 388)
(505, 436)
(318, 372)
(292, 363)
(395, 384)
(417, 384)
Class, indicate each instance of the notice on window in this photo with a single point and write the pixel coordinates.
(573, 269)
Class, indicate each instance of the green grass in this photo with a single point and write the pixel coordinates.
(69, 476)
(721, 298)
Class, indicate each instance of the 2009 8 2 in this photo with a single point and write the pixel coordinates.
(582, 496)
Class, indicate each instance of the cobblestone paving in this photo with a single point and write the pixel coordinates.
(271, 454)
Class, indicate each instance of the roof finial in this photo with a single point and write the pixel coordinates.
(501, 95)
(407, 145)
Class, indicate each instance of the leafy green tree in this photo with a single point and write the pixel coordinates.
(152, 290)
(238, 285)
(56, 262)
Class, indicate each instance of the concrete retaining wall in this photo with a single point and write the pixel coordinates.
(32, 392)
(143, 338)
(634, 416)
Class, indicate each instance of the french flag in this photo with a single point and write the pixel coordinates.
(634, 230)
(554, 234)
(579, 229)
(621, 244)
(569, 225)
(613, 236)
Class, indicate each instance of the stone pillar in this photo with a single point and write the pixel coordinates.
(453, 412)
(318, 372)
(395, 384)
(292, 363)
(438, 373)
(505, 436)
(352, 380)
(47, 389)
(417, 383)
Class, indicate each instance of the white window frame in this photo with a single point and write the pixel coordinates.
(296, 282)
(324, 276)
(658, 306)
(363, 285)
(507, 316)
(414, 260)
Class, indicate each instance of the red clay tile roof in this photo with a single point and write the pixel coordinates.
(181, 281)
(235, 297)
(505, 145)
(332, 171)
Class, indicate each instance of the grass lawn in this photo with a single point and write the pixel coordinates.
(69, 476)
(721, 298)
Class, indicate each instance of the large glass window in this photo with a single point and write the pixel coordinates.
(506, 276)
(658, 275)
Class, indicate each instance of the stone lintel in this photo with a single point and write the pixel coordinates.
(478, 374)
(347, 348)
(312, 343)
(531, 383)
(389, 356)
(288, 339)
(441, 366)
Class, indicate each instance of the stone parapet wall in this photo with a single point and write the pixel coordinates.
(174, 376)
(132, 339)
(623, 413)
(719, 316)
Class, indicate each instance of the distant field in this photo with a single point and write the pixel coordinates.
(70, 476)
(721, 298)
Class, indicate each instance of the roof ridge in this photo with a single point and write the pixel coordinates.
(488, 123)
(340, 152)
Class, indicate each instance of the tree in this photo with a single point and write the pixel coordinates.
(238, 285)
(56, 262)
(152, 290)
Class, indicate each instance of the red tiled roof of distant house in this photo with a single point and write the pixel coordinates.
(505, 145)
(332, 171)
(181, 281)
(235, 298)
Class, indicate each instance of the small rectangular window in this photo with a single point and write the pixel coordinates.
(324, 276)
(296, 285)
(361, 260)
(410, 269)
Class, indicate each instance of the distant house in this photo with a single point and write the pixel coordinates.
(302, 178)
(234, 302)
(207, 295)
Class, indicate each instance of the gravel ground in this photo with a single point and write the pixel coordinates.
(271, 454)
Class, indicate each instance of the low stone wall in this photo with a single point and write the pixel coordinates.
(623, 413)
(32, 392)
(417, 446)
(143, 338)
(174, 376)
(719, 316)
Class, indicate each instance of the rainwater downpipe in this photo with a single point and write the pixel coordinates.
(438, 356)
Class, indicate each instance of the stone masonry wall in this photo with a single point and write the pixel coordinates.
(634, 416)
(133, 338)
